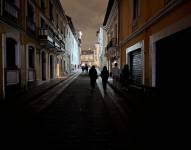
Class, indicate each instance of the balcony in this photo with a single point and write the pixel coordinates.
(112, 43)
(57, 42)
(62, 46)
(46, 37)
(111, 48)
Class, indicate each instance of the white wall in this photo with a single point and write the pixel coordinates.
(72, 48)
(102, 44)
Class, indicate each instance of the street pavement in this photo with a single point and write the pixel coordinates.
(73, 116)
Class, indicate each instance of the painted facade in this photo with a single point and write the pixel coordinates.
(149, 33)
(32, 47)
(144, 29)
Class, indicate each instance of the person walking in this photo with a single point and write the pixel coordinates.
(115, 75)
(104, 76)
(93, 76)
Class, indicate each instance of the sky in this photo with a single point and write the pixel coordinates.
(87, 16)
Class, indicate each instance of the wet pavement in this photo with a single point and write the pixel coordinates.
(77, 118)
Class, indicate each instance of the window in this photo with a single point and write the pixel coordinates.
(42, 24)
(50, 11)
(135, 9)
(57, 21)
(14, 2)
(30, 12)
(31, 57)
(42, 4)
(11, 53)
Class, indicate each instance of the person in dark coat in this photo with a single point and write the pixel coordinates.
(86, 68)
(125, 76)
(93, 76)
(104, 76)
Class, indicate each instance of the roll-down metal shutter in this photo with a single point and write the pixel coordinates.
(136, 67)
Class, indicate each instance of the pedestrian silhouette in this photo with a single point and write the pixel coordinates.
(116, 75)
(86, 68)
(83, 68)
(93, 76)
(104, 76)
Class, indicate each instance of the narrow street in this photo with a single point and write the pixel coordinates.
(70, 116)
(49, 51)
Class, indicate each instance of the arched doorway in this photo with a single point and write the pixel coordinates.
(31, 63)
(58, 67)
(43, 62)
(51, 67)
(11, 53)
(12, 71)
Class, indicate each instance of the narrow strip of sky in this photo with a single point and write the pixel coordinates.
(87, 16)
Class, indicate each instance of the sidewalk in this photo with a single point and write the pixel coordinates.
(134, 98)
(142, 109)
(32, 93)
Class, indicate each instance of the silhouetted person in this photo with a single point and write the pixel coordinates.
(104, 76)
(93, 76)
(115, 75)
(86, 68)
(125, 76)
(82, 68)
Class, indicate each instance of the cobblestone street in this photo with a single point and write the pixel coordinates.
(78, 118)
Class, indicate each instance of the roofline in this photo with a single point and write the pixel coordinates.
(109, 7)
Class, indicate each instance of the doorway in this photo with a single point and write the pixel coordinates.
(43, 62)
(172, 63)
(51, 67)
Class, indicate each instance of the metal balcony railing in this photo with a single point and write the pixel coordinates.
(57, 41)
(45, 32)
(62, 45)
(46, 37)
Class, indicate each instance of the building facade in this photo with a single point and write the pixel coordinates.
(111, 26)
(151, 35)
(32, 47)
(151, 39)
(87, 57)
(101, 41)
(73, 45)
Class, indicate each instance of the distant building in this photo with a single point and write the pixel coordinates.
(73, 45)
(87, 57)
(101, 45)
